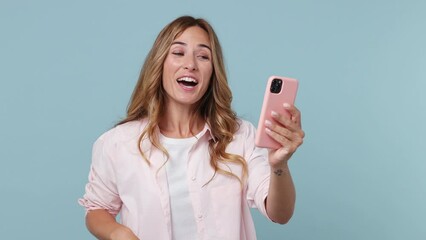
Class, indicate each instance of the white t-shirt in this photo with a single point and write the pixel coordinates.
(182, 213)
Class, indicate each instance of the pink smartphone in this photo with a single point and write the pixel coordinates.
(279, 90)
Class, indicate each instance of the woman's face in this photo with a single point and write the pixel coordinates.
(188, 67)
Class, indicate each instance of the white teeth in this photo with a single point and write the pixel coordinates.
(187, 79)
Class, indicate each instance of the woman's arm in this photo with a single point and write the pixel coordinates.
(104, 227)
(282, 195)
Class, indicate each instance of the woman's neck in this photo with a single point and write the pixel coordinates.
(180, 122)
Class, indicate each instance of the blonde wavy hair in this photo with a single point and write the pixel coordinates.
(214, 107)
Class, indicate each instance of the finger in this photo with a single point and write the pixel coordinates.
(295, 137)
(287, 145)
(289, 129)
(294, 113)
(279, 130)
(282, 140)
(288, 123)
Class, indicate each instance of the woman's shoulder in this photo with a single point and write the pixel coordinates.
(245, 127)
(244, 123)
(124, 132)
(244, 139)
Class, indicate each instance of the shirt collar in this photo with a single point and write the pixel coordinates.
(208, 132)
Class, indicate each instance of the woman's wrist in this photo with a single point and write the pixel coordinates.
(280, 169)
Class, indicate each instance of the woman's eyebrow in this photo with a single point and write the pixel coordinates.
(199, 45)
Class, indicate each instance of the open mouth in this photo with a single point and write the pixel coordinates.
(187, 81)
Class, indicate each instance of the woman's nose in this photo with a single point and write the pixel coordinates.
(190, 64)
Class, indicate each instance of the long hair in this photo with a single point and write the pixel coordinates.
(214, 107)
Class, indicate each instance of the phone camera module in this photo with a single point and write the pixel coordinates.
(276, 85)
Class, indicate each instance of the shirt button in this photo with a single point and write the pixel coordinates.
(193, 178)
(200, 216)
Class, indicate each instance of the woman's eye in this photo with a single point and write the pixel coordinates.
(204, 57)
(177, 53)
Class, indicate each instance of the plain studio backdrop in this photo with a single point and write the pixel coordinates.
(68, 68)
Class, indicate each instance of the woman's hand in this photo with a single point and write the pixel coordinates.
(286, 131)
(103, 226)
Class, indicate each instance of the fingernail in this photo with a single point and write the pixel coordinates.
(268, 123)
(274, 114)
(286, 105)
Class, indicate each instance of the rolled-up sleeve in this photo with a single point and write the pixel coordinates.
(258, 172)
(101, 190)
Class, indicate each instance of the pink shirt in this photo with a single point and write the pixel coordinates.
(121, 181)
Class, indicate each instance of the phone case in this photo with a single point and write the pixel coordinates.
(274, 102)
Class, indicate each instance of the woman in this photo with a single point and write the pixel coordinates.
(181, 165)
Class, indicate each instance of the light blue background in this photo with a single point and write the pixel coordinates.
(68, 69)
